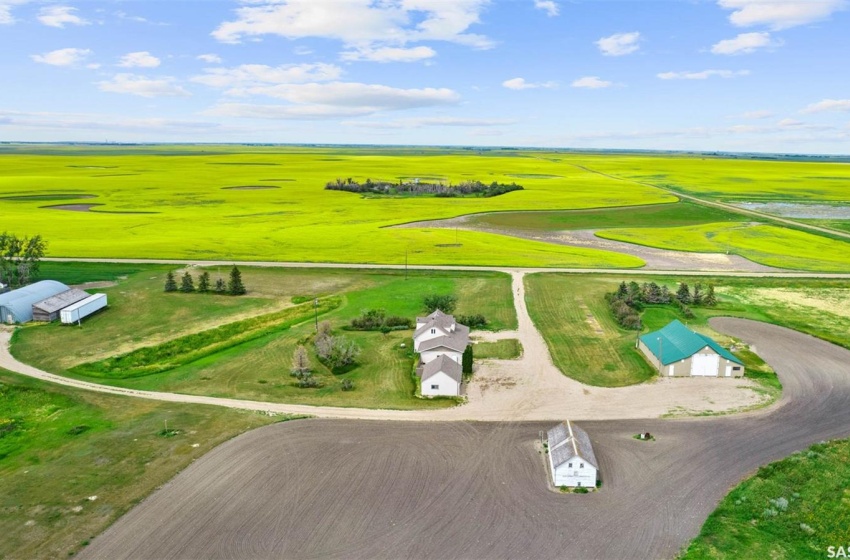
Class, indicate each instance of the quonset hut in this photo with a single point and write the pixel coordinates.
(16, 306)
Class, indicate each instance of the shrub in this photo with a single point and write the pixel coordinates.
(466, 360)
(581, 490)
(444, 302)
(476, 321)
(336, 351)
(300, 362)
(220, 286)
(377, 320)
(347, 385)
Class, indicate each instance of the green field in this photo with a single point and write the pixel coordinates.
(59, 447)
(248, 366)
(794, 508)
(586, 344)
(671, 215)
(186, 202)
(764, 244)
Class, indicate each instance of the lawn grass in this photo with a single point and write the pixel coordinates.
(793, 508)
(765, 244)
(507, 349)
(560, 306)
(255, 363)
(61, 446)
(673, 214)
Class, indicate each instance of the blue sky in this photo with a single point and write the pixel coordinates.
(742, 75)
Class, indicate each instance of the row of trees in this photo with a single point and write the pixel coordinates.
(629, 299)
(420, 188)
(20, 258)
(233, 286)
(378, 320)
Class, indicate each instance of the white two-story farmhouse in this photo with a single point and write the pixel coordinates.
(440, 342)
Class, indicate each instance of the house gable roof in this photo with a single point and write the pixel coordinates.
(445, 365)
(457, 340)
(677, 342)
(438, 320)
(566, 440)
(61, 301)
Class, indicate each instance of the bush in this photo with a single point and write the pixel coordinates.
(336, 351)
(444, 302)
(581, 490)
(347, 385)
(476, 321)
(466, 360)
(377, 320)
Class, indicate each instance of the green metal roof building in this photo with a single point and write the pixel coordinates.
(677, 351)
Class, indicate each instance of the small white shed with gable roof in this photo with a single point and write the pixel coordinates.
(571, 457)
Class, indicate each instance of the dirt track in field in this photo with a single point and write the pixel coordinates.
(656, 259)
(371, 489)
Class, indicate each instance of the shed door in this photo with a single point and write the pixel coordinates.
(705, 365)
(728, 371)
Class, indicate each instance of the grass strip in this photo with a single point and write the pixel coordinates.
(187, 349)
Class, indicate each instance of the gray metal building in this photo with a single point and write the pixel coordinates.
(48, 309)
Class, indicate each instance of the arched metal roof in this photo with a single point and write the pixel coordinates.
(16, 306)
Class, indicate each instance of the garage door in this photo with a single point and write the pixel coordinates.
(705, 364)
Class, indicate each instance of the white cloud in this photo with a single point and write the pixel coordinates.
(779, 14)
(6, 6)
(704, 75)
(390, 54)
(209, 58)
(249, 75)
(520, 84)
(141, 59)
(423, 122)
(619, 44)
(333, 99)
(548, 6)
(591, 82)
(745, 43)
(143, 86)
(58, 16)
(86, 121)
(302, 50)
(756, 115)
(828, 105)
(361, 25)
(62, 57)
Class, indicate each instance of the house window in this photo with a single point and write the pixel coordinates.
(581, 465)
(570, 466)
(579, 484)
(435, 387)
(433, 331)
(736, 368)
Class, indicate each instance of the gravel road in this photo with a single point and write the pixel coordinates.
(360, 489)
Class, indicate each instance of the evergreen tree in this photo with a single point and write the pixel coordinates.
(235, 287)
(466, 361)
(697, 297)
(204, 282)
(665, 295)
(710, 299)
(170, 282)
(220, 286)
(653, 294)
(683, 294)
(622, 290)
(187, 285)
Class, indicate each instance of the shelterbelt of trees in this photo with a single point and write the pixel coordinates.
(420, 188)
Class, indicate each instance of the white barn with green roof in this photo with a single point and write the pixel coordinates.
(677, 351)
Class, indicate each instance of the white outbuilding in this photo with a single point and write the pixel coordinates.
(441, 377)
(571, 459)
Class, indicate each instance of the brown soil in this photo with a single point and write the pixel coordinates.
(345, 489)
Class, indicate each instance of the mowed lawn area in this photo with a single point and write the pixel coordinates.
(72, 462)
(258, 368)
(586, 343)
(262, 203)
(794, 508)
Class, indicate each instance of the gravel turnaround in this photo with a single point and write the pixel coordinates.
(352, 489)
